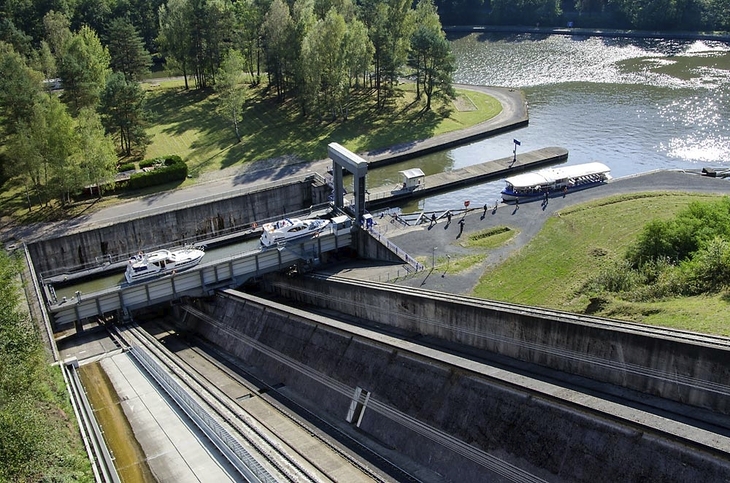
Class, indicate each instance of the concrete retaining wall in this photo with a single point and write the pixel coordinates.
(681, 369)
(186, 225)
(552, 441)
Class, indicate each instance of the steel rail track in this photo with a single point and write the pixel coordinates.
(216, 403)
(244, 378)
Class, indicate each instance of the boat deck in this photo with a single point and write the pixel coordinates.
(469, 175)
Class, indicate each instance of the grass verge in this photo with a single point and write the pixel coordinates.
(577, 242)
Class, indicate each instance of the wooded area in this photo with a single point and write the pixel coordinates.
(313, 53)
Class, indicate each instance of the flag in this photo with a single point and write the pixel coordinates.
(517, 142)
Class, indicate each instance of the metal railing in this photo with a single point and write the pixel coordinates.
(399, 252)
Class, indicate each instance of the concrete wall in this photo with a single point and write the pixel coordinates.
(193, 223)
(554, 442)
(682, 369)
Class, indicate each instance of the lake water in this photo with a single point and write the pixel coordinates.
(635, 105)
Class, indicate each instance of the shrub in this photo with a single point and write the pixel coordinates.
(174, 169)
(615, 277)
(126, 167)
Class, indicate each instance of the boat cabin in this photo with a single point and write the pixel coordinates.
(412, 179)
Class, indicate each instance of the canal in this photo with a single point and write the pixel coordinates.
(635, 105)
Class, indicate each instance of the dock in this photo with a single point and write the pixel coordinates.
(469, 175)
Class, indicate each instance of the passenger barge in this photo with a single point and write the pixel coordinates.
(550, 181)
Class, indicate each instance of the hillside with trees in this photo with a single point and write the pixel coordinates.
(314, 54)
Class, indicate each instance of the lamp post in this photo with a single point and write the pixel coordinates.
(448, 264)
(433, 258)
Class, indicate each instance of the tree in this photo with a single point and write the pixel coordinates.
(83, 69)
(330, 40)
(42, 150)
(231, 88)
(10, 34)
(96, 157)
(94, 14)
(438, 69)
(127, 51)
(278, 29)
(430, 54)
(359, 50)
(249, 15)
(123, 113)
(174, 33)
(20, 88)
(57, 32)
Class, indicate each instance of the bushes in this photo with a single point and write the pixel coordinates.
(688, 255)
(39, 439)
(173, 169)
(126, 167)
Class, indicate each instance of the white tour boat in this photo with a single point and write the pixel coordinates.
(287, 229)
(159, 262)
(551, 181)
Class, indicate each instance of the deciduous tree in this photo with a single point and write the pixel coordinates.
(95, 152)
(83, 69)
(231, 87)
(174, 37)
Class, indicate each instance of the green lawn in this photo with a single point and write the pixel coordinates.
(575, 244)
(187, 123)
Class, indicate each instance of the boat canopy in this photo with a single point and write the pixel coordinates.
(412, 177)
(551, 175)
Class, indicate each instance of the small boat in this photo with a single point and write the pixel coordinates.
(144, 266)
(555, 181)
(287, 229)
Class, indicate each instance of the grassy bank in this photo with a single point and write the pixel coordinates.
(187, 123)
(576, 243)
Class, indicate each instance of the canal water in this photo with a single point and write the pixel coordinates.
(635, 105)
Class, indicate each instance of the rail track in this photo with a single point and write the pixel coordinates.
(201, 374)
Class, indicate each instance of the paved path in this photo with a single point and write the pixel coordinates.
(529, 218)
(251, 175)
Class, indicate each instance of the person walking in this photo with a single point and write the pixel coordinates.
(448, 217)
(433, 219)
(461, 226)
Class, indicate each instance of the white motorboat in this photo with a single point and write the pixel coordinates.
(145, 266)
(549, 181)
(282, 231)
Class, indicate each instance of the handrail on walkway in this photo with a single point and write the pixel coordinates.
(399, 252)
